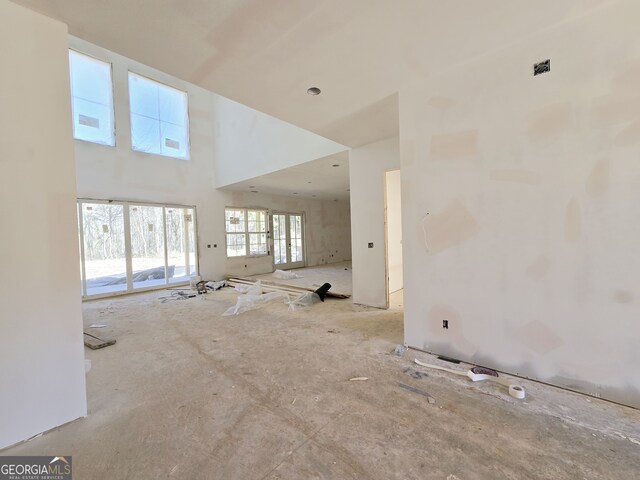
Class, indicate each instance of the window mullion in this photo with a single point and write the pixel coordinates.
(166, 248)
(127, 246)
(82, 261)
(246, 233)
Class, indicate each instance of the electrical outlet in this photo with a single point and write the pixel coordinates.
(542, 67)
(445, 324)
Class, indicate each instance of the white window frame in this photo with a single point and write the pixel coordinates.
(111, 106)
(187, 118)
(247, 233)
(128, 251)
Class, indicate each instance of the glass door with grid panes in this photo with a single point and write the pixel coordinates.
(288, 240)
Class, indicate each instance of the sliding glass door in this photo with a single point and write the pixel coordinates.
(181, 244)
(146, 230)
(105, 264)
(126, 246)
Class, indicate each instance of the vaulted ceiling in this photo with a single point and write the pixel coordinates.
(266, 53)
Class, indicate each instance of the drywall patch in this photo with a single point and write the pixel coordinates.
(515, 176)
(448, 228)
(623, 296)
(572, 221)
(629, 135)
(538, 337)
(441, 103)
(452, 146)
(628, 80)
(550, 121)
(539, 268)
(613, 109)
(598, 180)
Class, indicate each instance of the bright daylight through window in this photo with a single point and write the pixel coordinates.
(159, 248)
(91, 99)
(159, 118)
(246, 232)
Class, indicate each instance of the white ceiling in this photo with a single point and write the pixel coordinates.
(266, 53)
(316, 179)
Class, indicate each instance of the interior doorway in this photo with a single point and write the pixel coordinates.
(288, 240)
(393, 234)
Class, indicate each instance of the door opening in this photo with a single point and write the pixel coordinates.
(393, 233)
(288, 240)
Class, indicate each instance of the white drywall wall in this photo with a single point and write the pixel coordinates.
(394, 230)
(249, 143)
(41, 347)
(521, 208)
(367, 167)
(119, 173)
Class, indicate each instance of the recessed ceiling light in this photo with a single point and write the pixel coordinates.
(313, 195)
(314, 91)
(295, 193)
(335, 165)
(308, 182)
(252, 186)
(254, 191)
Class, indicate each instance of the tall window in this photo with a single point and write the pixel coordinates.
(159, 118)
(91, 99)
(246, 232)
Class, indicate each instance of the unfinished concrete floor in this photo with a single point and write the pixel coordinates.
(187, 393)
(337, 274)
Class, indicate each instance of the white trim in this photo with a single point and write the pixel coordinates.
(126, 206)
(246, 232)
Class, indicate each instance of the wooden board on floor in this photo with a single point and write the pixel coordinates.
(283, 286)
(94, 343)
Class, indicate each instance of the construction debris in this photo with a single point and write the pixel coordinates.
(304, 300)
(477, 374)
(216, 285)
(95, 343)
(430, 399)
(414, 373)
(201, 288)
(272, 286)
(178, 295)
(285, 275)
(399, 350)
(358, 379)
(251, 301)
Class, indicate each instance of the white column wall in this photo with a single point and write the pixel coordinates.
(367, 167)
(42, 379)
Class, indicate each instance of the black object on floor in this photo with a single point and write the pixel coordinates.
(322, 291)
(447, 359)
